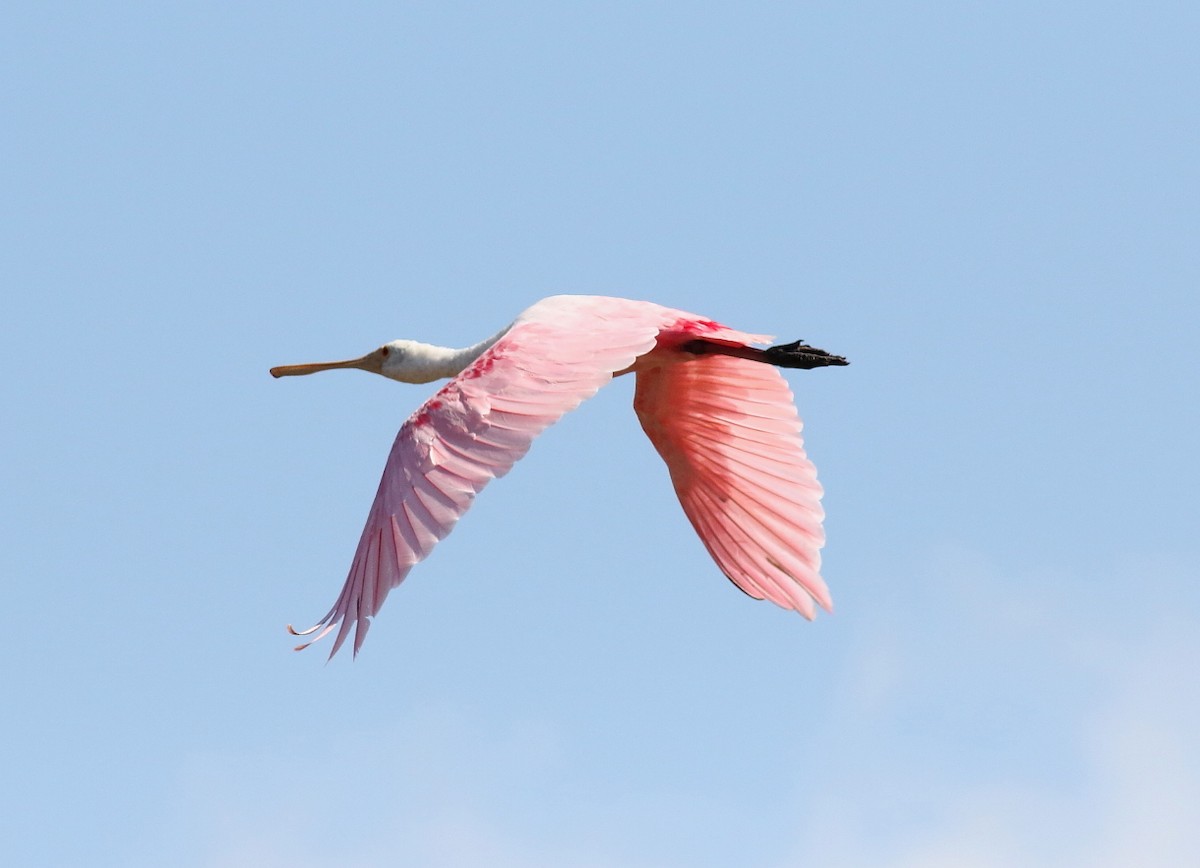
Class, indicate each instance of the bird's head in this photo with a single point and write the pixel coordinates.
(406, 361)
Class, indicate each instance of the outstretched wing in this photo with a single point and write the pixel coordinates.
(556, 355)
(730, 435)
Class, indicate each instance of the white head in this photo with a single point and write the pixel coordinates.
(406, 361)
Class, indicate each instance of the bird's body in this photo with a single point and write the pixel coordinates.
(722, 420)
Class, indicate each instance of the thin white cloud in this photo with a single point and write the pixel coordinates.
(1008, 720)
(1118, 722)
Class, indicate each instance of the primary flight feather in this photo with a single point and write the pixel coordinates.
(712, 404)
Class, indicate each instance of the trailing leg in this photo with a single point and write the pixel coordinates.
(797, 354)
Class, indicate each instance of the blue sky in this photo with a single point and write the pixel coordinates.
(991, 209)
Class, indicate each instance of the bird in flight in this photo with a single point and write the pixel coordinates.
(714, 406)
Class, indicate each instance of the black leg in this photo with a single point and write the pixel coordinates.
(798, 354)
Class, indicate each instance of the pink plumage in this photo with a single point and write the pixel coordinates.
(723, 421)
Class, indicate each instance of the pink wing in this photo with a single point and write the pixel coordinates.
(730, 435)
(557, 354)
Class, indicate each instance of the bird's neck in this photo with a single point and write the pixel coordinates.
(454, 362)
(441, 363)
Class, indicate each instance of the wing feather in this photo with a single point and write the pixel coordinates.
(555, 356)
(730, 435)
(745, 553)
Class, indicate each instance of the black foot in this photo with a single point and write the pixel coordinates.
(798, 354)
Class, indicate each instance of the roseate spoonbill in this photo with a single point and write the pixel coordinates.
(722, 420)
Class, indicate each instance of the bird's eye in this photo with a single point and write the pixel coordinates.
(385, 351)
